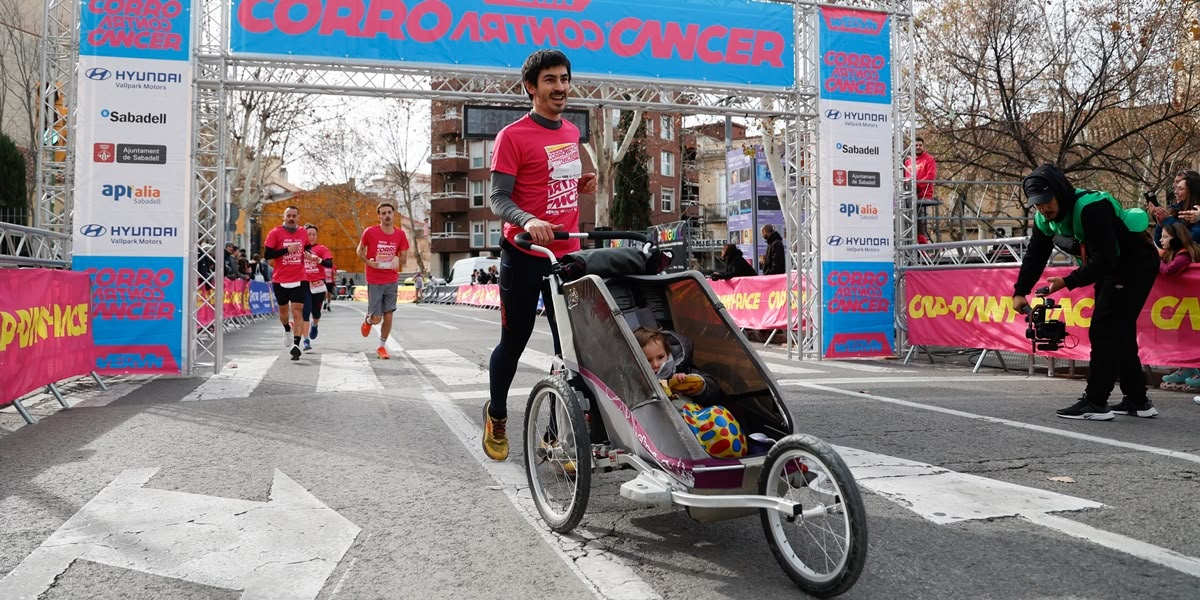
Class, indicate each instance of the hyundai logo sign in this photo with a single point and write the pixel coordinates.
(93, 230)
(833, 240)
(98, 74)
(833, 115)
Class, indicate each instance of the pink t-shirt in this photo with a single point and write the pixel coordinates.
(315, 271)
(547, 167)
(289, 268)
(383, 247)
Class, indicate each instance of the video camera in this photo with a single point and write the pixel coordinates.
(1046, 335)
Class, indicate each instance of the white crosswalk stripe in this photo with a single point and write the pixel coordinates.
(347, 372)
(234, 381)
(782, 369)
(449, 367)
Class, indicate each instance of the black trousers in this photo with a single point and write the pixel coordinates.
(1113, 333)
(522, 281)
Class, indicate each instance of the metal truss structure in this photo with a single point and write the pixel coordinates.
(218, 73)
(56, 152)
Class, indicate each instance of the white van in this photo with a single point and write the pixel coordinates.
(460, 273)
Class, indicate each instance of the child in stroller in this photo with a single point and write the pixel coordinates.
(693, 392)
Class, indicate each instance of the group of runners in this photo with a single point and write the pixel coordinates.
(305, 275)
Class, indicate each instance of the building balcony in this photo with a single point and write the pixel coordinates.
(445, 126)
(447, 243)
(448, 202)
(450, 162)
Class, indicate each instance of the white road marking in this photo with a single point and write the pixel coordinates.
(284, 548)
(1010, 423)
(451, 368)
(606, 575)
(538, 360)
(789, 369)
(347, 372)
(484, 393)
(944, 496)
(1113, 541)
(854, 366)
(234, 383)
(443, 325)
(878, 380)
(541, 326)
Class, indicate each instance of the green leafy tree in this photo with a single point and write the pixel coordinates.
(631, 194)
(12, 174)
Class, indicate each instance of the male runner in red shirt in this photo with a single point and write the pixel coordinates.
(286, 244)
(537, 176)
(384, 250)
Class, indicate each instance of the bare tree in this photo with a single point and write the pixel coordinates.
(20, 70)
(341, 155)
(261, 126)
(1103, 88)
(402, 133)
(607, 153)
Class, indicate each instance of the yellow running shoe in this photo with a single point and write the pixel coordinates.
(495, 435)
(555, 453)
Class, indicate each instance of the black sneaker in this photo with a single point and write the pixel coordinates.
(295, 352)
(1083, 409)
(1144, 409)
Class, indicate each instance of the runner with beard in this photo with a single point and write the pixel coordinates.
(285, 244)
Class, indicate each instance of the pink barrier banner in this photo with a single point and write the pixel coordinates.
(45, 332)
(754, 302)
(479, 295)
(973, 309)
(237, 298)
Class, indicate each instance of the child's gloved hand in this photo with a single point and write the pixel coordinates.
(687, 385)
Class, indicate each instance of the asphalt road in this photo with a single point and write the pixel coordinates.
(393, 448)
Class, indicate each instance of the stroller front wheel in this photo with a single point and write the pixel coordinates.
(824, 551)
(558, 454)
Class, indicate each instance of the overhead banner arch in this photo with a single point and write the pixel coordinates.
(756, 59)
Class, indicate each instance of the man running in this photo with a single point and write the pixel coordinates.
(315, 271)
(285, 244)
(384, 250)
(537, 176)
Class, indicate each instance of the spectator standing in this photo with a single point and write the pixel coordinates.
(384, 250)
(419, 285)
(1186, 206)
(774, 261)
(314, 269)
(1120, 262)
(735, 264)
(926, 173)
(1179, 251)
(537, 176)
(286, 245)
(231, 265)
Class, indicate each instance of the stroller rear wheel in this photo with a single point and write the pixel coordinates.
(823, 553)
(558, 454)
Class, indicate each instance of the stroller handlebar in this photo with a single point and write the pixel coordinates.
(524, 242)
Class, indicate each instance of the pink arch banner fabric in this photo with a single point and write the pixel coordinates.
(973, 309)
(742, 42)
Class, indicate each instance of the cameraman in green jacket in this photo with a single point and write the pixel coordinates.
(1119, 260)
